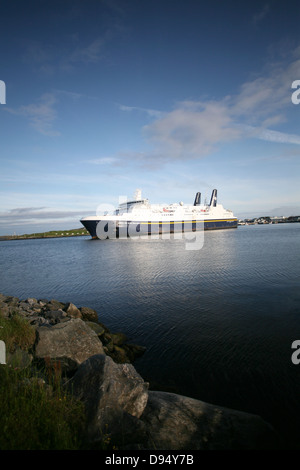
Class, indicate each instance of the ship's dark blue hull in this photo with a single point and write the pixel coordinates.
(114, 229)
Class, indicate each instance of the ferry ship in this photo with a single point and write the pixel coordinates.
(138, 217)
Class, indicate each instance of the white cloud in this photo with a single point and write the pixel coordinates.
(91, 53)
(103, 161)
(30, 219)
(41, 115)
(192, 130)
(265, 96)
(33, 213)
(37, 53)
(195, 129)
(281, 137)
(73, 53)
(151, 112)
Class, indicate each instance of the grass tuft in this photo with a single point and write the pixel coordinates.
(36, 412)
(36, 416)
(16, 331)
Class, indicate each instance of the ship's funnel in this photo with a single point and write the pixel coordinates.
(197, 201)
(213, 199)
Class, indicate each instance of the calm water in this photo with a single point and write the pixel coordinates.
(218, 322)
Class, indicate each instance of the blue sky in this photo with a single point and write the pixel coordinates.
(173, 97)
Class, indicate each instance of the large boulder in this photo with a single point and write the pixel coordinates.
(71, 343)
(176, 422)
(115, 396)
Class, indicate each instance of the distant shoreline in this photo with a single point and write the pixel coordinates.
(270, 220)
(52, 234)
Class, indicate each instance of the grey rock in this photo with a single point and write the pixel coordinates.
(110, 393)
(118, 354)
(133, 351)
(54, 316)
(24, 306)
(37, 321)
(73, 311)
(98, 329)
(71, 342)
(37, 309)
(118, 338)
(54, 305)
(89, 314)
(176, 422)
(4, 309)
(12, 301)
(9, 305)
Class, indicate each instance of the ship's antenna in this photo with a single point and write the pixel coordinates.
(138, 194)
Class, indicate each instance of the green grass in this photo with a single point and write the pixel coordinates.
(16, 331)
(55, 233)
(37, 416)
(35, 410)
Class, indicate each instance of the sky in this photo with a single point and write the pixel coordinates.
(100, 97)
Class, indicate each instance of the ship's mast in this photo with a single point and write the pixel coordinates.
(138, 194)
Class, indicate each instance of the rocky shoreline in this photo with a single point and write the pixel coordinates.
(97, 366)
